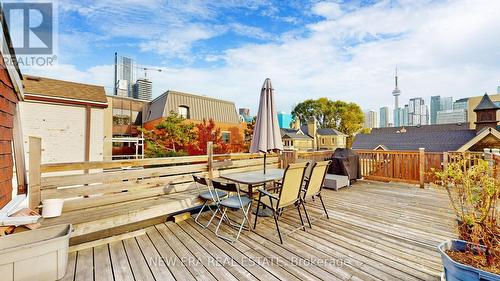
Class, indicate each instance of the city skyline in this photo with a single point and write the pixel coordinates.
(338, 50)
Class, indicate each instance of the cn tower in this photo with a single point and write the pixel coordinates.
(396, 92)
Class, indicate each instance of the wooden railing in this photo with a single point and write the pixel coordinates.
(390, 165)
(115, 181)
(409, 166)
(415, 167)
(115, 193)
(294, 156)
(114, 186)
(471, 158)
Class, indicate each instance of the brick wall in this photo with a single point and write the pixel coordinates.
(8, 100)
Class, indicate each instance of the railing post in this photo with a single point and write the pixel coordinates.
(488, 156)
(495, 162)
(281, 159)
(295, 156)
(34, 172)
(421, 153)
(445, 160)
(210, 162)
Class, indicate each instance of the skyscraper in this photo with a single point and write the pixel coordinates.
(121, 88)
(451, 116)
(418, 113)
(398, 117)
(384, 117)
(124, 70)
(244, 111)
(435, 107)
(406, 113)
(461, 103)
(439, 103)
(396, 92)
(143, 89)
(446, 103)
(284, 120)
(370, 119)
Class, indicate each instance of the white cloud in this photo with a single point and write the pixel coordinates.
(166, 28)
(99, 75)
(329, 10)
(250, 31)
(178, 41)
(448, 48)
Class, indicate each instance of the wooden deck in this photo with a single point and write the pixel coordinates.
(376, 231)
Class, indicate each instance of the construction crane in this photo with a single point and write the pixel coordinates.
(146, 69)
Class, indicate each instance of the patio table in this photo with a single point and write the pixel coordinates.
(255, 178)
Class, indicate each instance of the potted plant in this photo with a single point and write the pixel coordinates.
(473, 191)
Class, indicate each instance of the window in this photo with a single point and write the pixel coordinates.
(135, 119)
(183, 111)
(322, 140)
(121, 116)
(226, 137)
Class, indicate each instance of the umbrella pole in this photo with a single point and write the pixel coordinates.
(265, 163)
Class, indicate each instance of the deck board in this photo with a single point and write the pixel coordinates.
(376, 231)
(102, 263)
(121, 265)
(83, 263)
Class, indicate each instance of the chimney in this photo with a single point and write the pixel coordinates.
(296, 124)
(311, 129)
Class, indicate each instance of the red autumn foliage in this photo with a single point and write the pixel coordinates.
(205, 132)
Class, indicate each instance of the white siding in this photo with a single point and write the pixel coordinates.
(62, 130)
(96, 134)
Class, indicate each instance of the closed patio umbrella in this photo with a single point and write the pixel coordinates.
(266, 134)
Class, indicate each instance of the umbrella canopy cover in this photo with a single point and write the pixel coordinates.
(266, 134)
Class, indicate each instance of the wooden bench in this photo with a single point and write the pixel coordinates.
(106, 198)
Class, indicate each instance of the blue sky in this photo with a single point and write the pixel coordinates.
(339, 49)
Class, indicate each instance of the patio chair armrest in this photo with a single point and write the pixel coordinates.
(265, 192)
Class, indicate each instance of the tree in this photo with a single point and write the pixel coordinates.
(307, 109)
(345, 117)
(365, 131)
(205, 132)
(169, 137)
(237, 141)
(249, 132)
(351, 121)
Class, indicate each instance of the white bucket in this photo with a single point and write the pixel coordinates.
(52, 207)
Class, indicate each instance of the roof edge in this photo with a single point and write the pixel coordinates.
(12, 69)
(28, 76)
(191, 95)
(41, 97)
